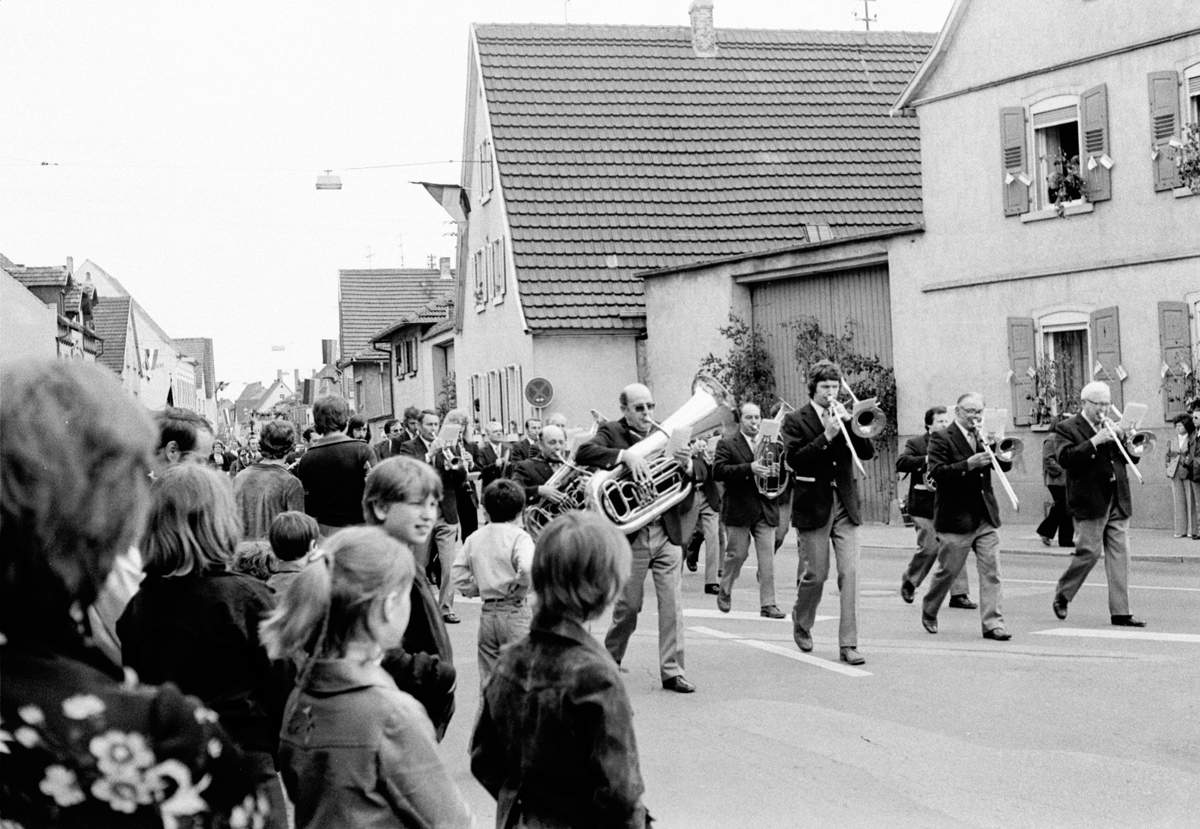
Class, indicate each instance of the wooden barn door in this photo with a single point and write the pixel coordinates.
(860, 295)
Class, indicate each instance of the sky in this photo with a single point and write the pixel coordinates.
(177, 145)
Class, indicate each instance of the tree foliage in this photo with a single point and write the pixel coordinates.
(745, 371)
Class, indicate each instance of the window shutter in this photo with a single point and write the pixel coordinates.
(1021, 358)
(1164, 125)
(502, 266)
(1106, 352)
(1174, 337)
(1094, 161)
(1013, 161)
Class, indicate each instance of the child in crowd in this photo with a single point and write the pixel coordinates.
(401, 497)
(494, 564)
(293, 536)
(254, 559)
(194, 622)
(356, 750)
(554, 742)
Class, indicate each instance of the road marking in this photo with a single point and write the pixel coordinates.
(740, 615)
(1105, 585)
(799, 656)
(1145, 636)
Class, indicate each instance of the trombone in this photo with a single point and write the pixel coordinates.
(866, 421)
(1140, 442)
(987, 447)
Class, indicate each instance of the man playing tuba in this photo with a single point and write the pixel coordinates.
(656, 547)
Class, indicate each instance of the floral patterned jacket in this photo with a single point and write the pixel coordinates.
(80, 747)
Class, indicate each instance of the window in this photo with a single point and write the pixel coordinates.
(358, 395)
(1191, 93)
(1045, 146)
(516, 389)
(495, 397)
(406, 357)
(1065, 355)
(498, 270)
(480, 284)
(1056, 150)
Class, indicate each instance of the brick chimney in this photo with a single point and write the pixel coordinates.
(704, 34)
(70, 264)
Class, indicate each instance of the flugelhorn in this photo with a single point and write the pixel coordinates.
(866, 418)
(770, 451)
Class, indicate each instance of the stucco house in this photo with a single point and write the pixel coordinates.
(420, 348)
(1027, 283)
(369, 301)
(47, 312)
(597, 154)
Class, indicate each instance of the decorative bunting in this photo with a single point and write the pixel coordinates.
(1009, 376)
(1025, 179)
(1154, 153)
(1106, 161)
(1099, 367)
(1009, 178)
(1122, 373)
(1031, 371)
(1092, 165)
(1162, 372)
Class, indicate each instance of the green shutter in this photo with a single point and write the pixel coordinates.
(1022, 356)
(1174, 338)
(1095, 159)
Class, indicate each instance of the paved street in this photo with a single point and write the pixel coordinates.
(1073, 723)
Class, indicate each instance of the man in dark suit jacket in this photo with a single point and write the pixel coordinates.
(656, 547)
(385, 448)
(426, 446)
(920, 508)
(747, 513)
(533, 473)
(491, 455)
(526, 447)
(1098, 499)
(965, 515)
(825, 506)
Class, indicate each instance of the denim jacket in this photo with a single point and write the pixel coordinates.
(554, 743)
(357, 751)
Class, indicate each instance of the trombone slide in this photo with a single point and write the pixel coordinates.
(1008, 490)
(846, 437)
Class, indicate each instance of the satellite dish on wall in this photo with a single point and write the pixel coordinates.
(539, 392)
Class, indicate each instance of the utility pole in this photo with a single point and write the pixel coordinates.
(866, 18)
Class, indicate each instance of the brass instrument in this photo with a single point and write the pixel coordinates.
(570, 479)
(632, 504)
(1012, 447)
(866, 418)
(770, 451)
(1140, 443)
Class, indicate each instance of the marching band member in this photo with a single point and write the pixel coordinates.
(746, 512)
(526, 447)
(825, 506)
(656, 547)
(533, 473)
(1098, 499)
(965, 515)
(491, 455)
(920, 508)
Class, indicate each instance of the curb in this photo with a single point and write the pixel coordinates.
(1162, 558)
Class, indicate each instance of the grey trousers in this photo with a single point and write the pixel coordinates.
(446, 537)
(1094, 536)
(500, 622)
(813, 545)
(708, 523)
(652, 552)
(985, 542)
(925, 556)
(738, 548)
(1183, 496)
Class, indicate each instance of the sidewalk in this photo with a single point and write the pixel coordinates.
(1023, 540)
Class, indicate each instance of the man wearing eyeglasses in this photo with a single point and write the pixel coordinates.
(965, 514)
(656, 547)
(1098, 499)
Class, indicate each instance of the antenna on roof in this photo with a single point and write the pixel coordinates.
(566, 11)
(867, 18)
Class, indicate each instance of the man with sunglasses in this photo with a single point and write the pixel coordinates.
(657, 546)
(1098, 499)
(965, 514)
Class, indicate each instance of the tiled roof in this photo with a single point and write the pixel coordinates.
(619, 151)
(250, 396)
(201, 350)
(435, 312)
(439, 328)
(111, 319)
(370, 300)
(41, 276)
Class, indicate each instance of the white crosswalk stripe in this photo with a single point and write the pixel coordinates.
(780, 650)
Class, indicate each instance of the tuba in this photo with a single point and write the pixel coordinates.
(632, 504)
(571, 480)
(770, 452)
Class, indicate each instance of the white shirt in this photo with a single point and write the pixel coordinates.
(495, 562)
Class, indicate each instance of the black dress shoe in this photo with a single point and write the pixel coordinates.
(691, 565)
(929, 622)
(851, 656)
(963, 602)
(907, 590)
(712, 589)
(450, 618)
(679, 685)
(998, 634)
(1060, 607)
(772, 612)
(724, 602)
(803, 638)
(1128, 622)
